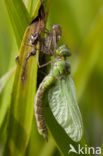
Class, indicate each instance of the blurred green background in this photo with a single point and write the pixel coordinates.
(82, 26)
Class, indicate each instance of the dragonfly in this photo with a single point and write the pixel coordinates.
(65, 109)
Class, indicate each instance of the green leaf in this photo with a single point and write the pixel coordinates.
(6, 85)
(22, 99)
(31, 6)
(19, 18)
(4, 79)
(49, 149)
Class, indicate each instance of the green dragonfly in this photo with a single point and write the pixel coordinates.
(61, 97)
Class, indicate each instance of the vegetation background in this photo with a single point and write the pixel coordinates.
(82, 25)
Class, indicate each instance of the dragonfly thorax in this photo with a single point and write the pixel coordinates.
(60, 67)
(63, 51)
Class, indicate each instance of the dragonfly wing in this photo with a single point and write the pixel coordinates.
(63, 103)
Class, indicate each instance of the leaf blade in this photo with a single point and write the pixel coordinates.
(22, 99)
(21, 106)
(19, 18)
(4, 79)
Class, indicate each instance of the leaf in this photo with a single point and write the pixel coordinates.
(63, 103)
(22, 99)
(8, 77)
(19, 18)
(5, 96)
(4, 79)
(31, 6)
(49, 149)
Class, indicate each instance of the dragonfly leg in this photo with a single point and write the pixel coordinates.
(32, 53)
(29, 45)
(43, 65)
(27, 58)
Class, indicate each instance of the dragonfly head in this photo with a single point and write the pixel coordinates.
(63, 51)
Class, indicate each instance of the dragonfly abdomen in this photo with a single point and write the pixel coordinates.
(39, 105)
